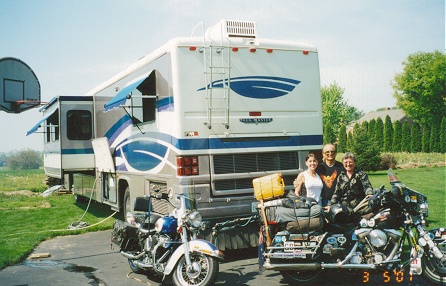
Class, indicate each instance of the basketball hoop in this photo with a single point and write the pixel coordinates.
(30, 102)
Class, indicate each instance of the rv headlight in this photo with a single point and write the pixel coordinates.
(195, 219)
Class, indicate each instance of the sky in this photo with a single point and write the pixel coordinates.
(73, 46)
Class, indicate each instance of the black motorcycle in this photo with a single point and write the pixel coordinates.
(167, 245)
(391, 237)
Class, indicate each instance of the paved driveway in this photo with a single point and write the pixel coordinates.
(88, 259)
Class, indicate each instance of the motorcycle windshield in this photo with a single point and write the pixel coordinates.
(190, 203)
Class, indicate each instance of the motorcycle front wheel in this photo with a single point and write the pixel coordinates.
(203, 272)
(301, 277)
(434, 270)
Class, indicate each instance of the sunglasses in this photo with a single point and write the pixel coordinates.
(330, 152)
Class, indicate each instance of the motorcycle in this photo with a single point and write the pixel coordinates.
(167, 245)
(391, 237)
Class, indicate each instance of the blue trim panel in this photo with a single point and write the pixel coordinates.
(165, 104)
(117, 128)
(86, 151)
(221, 143)
(259, 87)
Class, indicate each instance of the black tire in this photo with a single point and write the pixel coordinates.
(207, 270)
(126, 202)
(434, 270)
(309, 277)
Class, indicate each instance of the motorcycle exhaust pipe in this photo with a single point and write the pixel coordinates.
(316, 266)
(141, 264)
(292, 266)
(348, 266)
(131, 256)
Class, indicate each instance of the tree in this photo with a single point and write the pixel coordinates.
(349, 140)
(397, 133)
(336, 111)
(367, 153)
(388, 134)
(420, 90)
(435, 138)
(425, 142)
(365, 125)
(415, 138)
(379, 132)
(342, 139)
(3, 159)
(371, 129)
(329, 137)
(443, 135)
(405, 137)
(24, 159)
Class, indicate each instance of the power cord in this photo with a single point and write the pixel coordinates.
(81, 224)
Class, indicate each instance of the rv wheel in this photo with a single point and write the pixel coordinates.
(126, 205)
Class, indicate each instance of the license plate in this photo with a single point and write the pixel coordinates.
(288, 245)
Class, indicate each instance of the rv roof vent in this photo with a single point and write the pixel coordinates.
(242, 29)
(233, 29)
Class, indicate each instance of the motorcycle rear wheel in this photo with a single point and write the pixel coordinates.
(301, 277)
(206, 270)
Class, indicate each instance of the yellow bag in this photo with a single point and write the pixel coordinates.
(268, 187)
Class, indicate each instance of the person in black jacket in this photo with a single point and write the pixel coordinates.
(329, 171)
(353, 185)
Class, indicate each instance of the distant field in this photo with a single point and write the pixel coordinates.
(16, 180)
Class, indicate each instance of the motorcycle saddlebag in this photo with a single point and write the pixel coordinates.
(125, 235)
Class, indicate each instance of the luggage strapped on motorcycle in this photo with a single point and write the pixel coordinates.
(298, 214)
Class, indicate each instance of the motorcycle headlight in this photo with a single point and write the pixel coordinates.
(195, 219)
(424, 209)
(129, 218)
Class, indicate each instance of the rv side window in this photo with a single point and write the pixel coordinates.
(52, 127)
(144, 101)
(79, 125)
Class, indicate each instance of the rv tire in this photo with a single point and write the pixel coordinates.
(126, 202)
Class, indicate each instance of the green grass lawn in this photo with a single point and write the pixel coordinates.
(28, 220)
(429, 181)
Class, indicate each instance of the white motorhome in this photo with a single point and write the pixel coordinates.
(199, 115)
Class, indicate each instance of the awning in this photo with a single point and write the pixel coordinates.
(35, 127)
(121, 97)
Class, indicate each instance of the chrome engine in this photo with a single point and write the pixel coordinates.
(375, 245)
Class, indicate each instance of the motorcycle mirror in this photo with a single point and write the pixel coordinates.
(170, 193)
(156, 189)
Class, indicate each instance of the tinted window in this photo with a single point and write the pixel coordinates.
(79, 125)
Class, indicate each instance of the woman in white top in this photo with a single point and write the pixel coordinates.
(310, 178)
